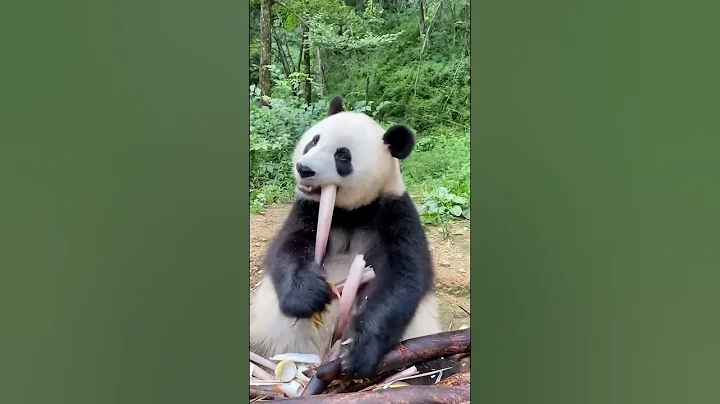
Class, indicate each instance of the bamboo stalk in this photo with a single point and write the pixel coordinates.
(408, 353)
(408, 395)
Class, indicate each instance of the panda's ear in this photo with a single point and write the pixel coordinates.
(336, 105)
(400, 140)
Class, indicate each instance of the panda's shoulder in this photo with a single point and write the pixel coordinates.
(389, 208)
(397, 204)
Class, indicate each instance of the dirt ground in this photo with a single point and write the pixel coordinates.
(450, 249)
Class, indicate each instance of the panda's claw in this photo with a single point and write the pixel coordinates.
(317, 321)
(334, 289)
(362, 355)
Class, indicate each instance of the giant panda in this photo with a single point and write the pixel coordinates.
(374, 216)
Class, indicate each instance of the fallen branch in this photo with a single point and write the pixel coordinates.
(409, 395)
(408, 353)
(264, 394)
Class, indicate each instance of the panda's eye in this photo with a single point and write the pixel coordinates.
(315, 140)
(342, 154)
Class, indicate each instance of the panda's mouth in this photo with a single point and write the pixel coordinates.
(308, 189)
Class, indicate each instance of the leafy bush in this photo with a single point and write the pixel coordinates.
(442, 205)
(372, 54)
(273, 134)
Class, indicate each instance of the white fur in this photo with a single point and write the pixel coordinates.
(375, 173)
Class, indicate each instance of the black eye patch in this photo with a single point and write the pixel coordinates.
(311, 144)
(343, 162)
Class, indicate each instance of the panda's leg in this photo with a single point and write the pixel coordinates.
(426, 322)
(273, 333)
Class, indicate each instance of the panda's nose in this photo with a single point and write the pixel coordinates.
(304, 171)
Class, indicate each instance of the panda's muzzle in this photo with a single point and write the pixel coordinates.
(304, 171)
(309, 189)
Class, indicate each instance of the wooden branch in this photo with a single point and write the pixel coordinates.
(409, 395)
(287, 47)
(280, 3)
(281, 53)
(410, 352)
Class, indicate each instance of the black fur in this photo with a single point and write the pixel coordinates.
(299, 282)
(399, 255)
(336, 105)
(343, 162)
(312, 143)
(400, 140)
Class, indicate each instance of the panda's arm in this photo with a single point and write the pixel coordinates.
(404, 275)
(299, 282)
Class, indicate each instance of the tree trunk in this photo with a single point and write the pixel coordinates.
(306, 60)
(266, 45)
(320, 71)
(367, 85)
(287, 47)
(421, 7)
(281, 54)
(300, 55)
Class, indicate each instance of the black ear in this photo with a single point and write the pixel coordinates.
(400, 140)
(336, 105)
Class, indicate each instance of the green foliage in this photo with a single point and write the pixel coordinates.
(373, 56)
(274, 131)
(441, 205)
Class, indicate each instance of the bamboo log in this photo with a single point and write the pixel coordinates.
(408, 353)
(408, 395)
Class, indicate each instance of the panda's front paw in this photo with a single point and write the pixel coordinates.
(306, 293)
(363, 354)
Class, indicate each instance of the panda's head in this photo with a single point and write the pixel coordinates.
(353, 152)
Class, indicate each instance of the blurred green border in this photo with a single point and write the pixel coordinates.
(595, 247)
(243, 307)
(124, 202)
